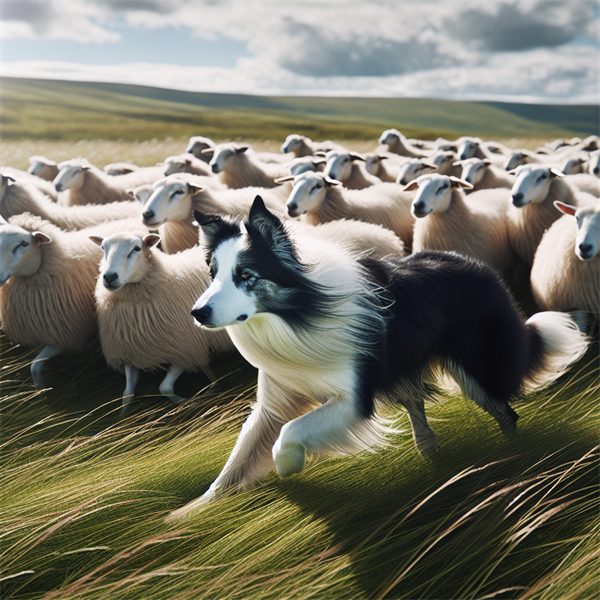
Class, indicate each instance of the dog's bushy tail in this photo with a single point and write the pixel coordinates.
(555, 344)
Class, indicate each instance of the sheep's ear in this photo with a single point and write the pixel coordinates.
(41, 238)
(354, 156)
(8, 180)
(270, 227)
(284, 179)
(413, 185)
(130, 193)
(429, 166)
(333, 182)
(556, 173)
(241, 149)
(321, 153)
(151, 240)
(382, 157)
(487, 162)
(565, 208)
(206, 151)
(97, 239)
(319, 161)
(194, 189)
(512, 172)
(456, 182)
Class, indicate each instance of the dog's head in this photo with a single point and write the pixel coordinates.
(254, 268)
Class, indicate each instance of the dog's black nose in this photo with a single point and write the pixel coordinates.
(202, 314)
(110, 277)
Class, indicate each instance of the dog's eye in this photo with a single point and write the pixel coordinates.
(245, 275)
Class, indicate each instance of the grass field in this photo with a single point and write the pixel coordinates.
(84, 494)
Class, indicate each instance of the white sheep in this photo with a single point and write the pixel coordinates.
(186, 163)
(474, 147)
(385, 166)
(89, 185)
(43, 167)
(318, 199)
(17, 197)
(573, 164)
(238, 167)
(141, 193)
(47, 280)
(594, 163)
(565, 275)
(394, 141)
(174, 199)
(532, 210)
(347, 167)
(301, 164)
(584, 182)
(482, 174)
(474, 225)
(413, 168)
(300, 145)
(43, 185)
(201, 147)
(143, 303)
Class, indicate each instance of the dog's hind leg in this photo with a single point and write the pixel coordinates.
(412, 397)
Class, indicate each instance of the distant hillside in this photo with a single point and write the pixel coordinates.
(65, 110)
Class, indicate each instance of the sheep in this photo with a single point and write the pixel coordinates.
(413, 168)
(565, 275)
(302, 164)
(141, 193)
(119, 168)
(474, 225)
(239, 168)
(43, 167)
(444, 161)
(393, 141)
(200, 147)
(577, 163)
(384, 166)
(524, 157)
(532, 210)
(89, 185)
(318, 199)
(174, 199)
(300, 145)
(483, 174)
(344, 166)
(43, 185)
(594, 163)
(584, 182)
(474, 147)
(186, 163)
(17, 197)
(47, 280)
(143, 301)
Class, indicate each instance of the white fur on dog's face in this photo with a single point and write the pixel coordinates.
(228, 303)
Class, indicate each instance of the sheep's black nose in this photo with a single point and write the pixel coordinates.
(585, 249)
(148, 215)
(110, 277)
(292, 206)
(58, 187)
(202, 314)
(215, 168)
(517, 199)
(596, 170)
(463, 156)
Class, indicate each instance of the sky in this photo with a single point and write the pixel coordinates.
(540, 51)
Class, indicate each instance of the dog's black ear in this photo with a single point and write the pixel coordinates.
(214, 229)
(270, 227)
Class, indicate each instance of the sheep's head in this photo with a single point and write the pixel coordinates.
(468, 148)
(43, 167)
(339, 164)
(141, 193)
(308, 193)
(434, 195)
(587, 241)
(413, 168)
(532, 184)
(473, 169)
(20, 251)
(125, 258)
(200, 147)
(293, 143)
(302, 164)
(71, 175)
(443, 160)
(574, 164)
(594, 164)
(223, 156)
(171, 200)
(373, 162)
(180, 163)
(391, 137)
(5, 182)
(518, 158)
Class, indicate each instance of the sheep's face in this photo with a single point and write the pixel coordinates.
(224, 155)
(516, 159)
(473, 170)
(20, 253)
(125, 258)
(200, 147)
(532, 184)
(412, 169)
(434, 195)
(42, 167)
(308, 193)
(303, 164)
(339, 165)
(467, 149)
(587, 242)
(171, 200)
(293, 143)
(390, 137)
(573, 166)
(176, 164)
(443, 161)
(70, 176)
(142, 192)
(372, 163)
(594, 164)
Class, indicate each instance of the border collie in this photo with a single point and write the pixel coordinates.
(331, 334)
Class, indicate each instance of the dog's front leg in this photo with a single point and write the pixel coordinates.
(251, 457)
(327, 427)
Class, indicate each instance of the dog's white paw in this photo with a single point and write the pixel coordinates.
(289, 458)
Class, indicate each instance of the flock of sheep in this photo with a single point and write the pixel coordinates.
(112, 254)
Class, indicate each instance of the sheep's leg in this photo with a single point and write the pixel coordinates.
(168, 383)
(580, 319)
(38, 364)
(424, 436)
(132, 375)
